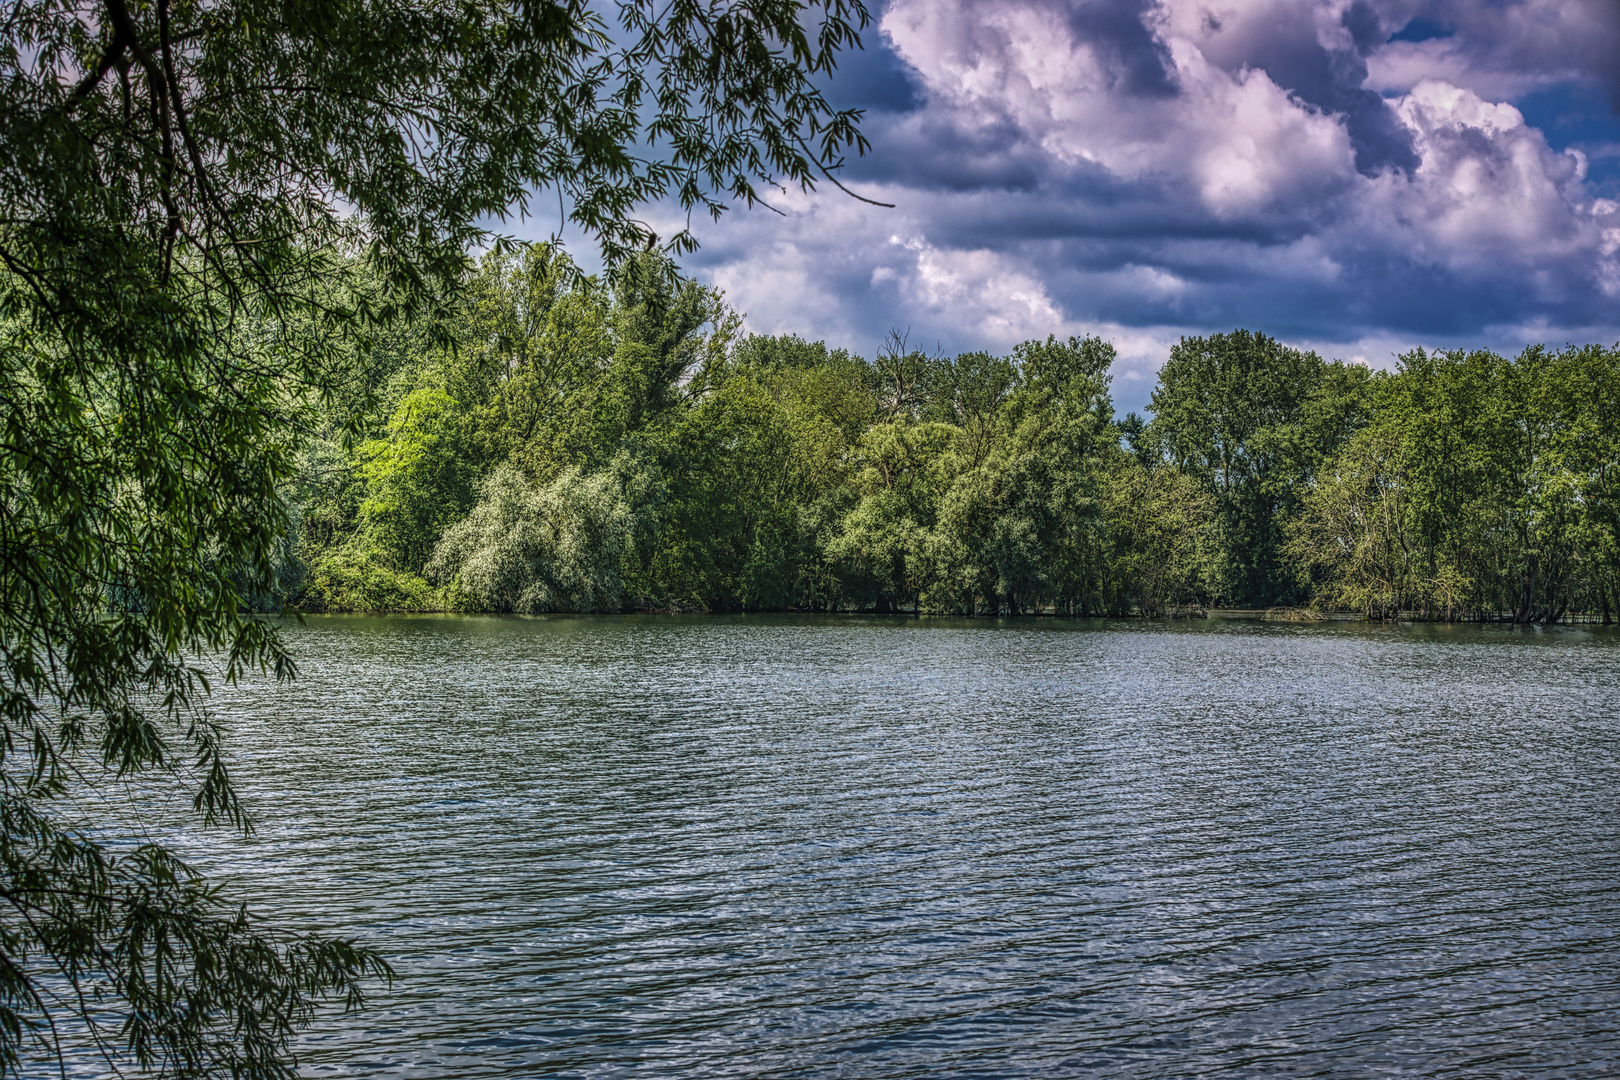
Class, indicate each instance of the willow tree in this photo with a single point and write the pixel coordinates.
(200, 201)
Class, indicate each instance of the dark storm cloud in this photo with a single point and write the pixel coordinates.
(1366, 28)
(943, 152)
(874, 78)
(1287, 46)
(1538, 40)
(1138, 62)
(1393, 293)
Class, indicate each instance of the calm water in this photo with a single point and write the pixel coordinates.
(800, 847)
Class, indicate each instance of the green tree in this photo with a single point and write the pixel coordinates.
(1586, 446)
(535, 342)
(1018, 526)
(1481, 488)
(969, 391)
(1252, 419)
(1159, 525)
(188, 192)
(827, 402)
(1494, 503)
(1047, 543)
(658, 323)
(560, 547)
(1357, 535)
(418, 479)
(729, 526)
(884, 551)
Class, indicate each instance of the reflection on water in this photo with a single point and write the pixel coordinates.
(807, 847)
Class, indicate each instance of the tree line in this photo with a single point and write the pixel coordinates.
(557, 444)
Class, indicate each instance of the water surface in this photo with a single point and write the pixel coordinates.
(842, 847)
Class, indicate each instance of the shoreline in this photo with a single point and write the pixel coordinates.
(1288, 616)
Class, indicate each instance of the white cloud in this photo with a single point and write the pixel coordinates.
(1207, 165)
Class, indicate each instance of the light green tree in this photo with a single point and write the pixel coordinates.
(1586, 447)
(1161, 540)
(558, 547)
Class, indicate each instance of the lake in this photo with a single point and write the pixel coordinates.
(784, 846)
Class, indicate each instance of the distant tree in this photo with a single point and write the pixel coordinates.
(1482, 486)
(1160, 531)
(903, 377)
(1060, 423)
(969, 391)
(419, 479)
(902, 473)
(1585, 447)
(560, 547)
(1019, 524)
(1136, 439)
(535, 341)
(1251, 419)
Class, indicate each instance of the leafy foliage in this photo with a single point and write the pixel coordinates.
(553, 548)
(222, 227)
(1252, 419)
(696, 469)
(1481, 485)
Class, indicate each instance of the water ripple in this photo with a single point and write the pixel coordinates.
(798, 847)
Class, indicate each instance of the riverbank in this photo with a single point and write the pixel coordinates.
(1190, 613)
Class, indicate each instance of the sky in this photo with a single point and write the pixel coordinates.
(1359, 177)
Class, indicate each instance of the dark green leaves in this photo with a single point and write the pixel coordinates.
(214, 217)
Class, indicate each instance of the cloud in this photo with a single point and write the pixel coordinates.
(1356, 172)
(1500, 51)
(1318, 59)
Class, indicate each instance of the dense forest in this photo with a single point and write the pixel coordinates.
(559, 444)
